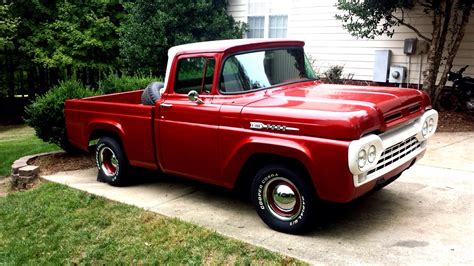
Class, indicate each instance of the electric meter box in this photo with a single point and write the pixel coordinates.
(397, 74)
(381, 64)
(409, 46)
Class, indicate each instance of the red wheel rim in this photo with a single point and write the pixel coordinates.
(108, 162)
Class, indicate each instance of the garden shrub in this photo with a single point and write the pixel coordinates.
(46, 113)
(334, 74)
(114, 83)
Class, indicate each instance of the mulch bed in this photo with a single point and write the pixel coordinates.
(51, 164)
(63, 162)
(455, 122)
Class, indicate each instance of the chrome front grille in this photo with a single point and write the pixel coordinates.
(396, 152)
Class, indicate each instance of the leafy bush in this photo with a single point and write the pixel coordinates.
(46, 113)
(334, 74)
(150, 28)
(114, 83)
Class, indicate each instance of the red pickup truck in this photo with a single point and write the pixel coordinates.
(253, 114)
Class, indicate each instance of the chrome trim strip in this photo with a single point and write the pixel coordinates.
(260, 125)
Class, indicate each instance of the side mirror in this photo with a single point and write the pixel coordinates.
(193, 96)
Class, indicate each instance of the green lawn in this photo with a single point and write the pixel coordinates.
(53, 224)
(18, 141)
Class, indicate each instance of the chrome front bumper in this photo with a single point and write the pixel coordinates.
(395, 148)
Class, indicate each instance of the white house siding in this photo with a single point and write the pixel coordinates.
(238, 9)
(329, 44)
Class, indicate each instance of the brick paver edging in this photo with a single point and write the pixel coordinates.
(23, 161)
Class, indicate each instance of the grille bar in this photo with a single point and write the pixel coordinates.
(397, 149)
(396, 152)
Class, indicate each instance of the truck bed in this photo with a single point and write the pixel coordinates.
(121, 113)
(130, 97)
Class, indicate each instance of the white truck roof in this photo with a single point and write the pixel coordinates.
(214, 46)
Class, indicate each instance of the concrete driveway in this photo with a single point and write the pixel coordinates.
(426, 216)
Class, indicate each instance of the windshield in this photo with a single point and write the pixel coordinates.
(263, 69)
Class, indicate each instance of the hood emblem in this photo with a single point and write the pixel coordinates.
(260, 125)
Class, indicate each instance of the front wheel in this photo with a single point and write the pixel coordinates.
(283, 199)
(111, 162)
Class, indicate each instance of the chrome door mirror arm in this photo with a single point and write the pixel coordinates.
(193, 96)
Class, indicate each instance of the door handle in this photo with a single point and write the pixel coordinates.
(166, 105)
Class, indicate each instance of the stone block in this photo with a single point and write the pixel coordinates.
(29, 170)
(16, 167)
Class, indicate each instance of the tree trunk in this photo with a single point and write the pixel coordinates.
(42, 80)
(22, 83)
(431, 72)
(10, 73)
(453, 47)
(442, 20)
(31, 82)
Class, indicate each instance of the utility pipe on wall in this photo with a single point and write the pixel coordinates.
(421, 69)
(408, 71)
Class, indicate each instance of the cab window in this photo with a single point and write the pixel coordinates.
(263, 69)
(194, 73)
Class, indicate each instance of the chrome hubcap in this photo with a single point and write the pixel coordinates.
(108, 162)
(282, 199)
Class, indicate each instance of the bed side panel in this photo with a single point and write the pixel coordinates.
(131, 122)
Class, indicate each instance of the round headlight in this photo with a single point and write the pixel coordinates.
(424, 130)
(362, 158)
(372, 154)
(430, 124)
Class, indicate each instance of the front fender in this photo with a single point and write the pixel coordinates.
(325, 160)
(234, 161)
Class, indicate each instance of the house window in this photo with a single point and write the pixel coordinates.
(256, 27)
(267, 18)
(277, 27)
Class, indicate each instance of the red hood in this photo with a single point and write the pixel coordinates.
(336, 111)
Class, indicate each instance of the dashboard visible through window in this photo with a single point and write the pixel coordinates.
(195, 73)
(263, 69)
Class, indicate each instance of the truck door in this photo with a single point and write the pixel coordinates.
(188, 130)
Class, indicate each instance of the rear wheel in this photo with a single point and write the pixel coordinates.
(283, 199)
(448, 102)
(111, 162)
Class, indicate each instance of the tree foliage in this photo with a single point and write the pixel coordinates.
(51, 40)
(75, 34)
(113, 83)
(46, 41)
(371, 18)
(150, 28)
(8, 27)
